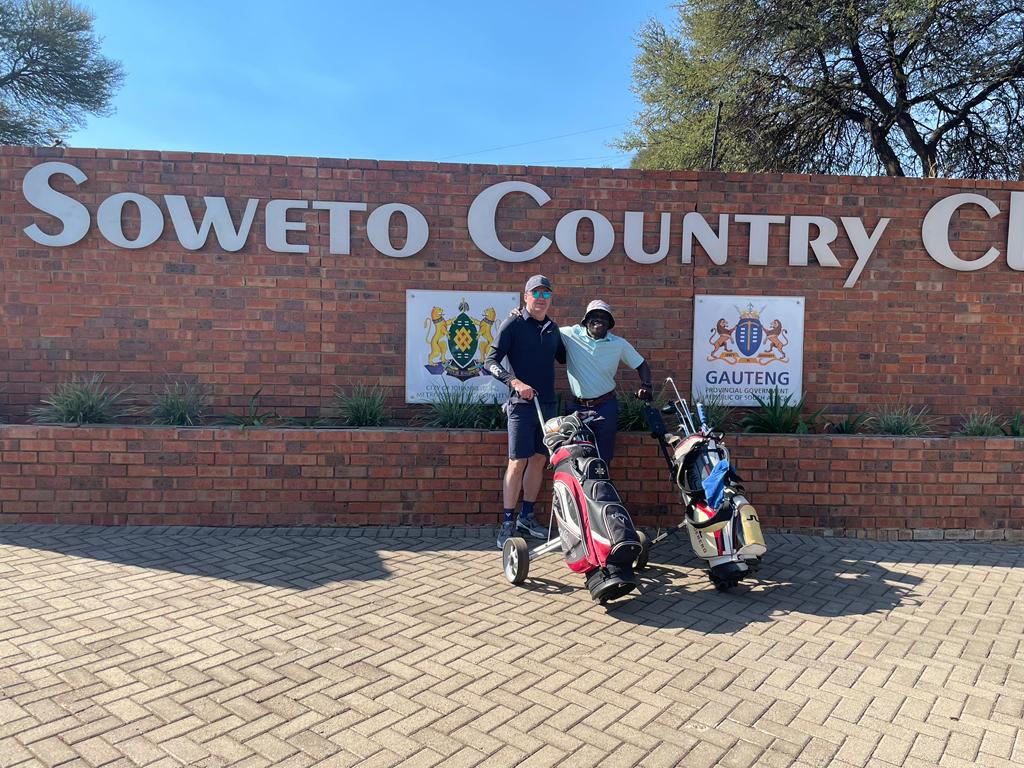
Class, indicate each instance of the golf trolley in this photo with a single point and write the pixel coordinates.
(595, 532)
(722, 524)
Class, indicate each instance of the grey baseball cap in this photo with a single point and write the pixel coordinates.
(538, 281)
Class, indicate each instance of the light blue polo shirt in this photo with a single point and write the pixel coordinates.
(592, 363)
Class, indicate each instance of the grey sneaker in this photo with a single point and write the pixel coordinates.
(505, 533)
(528, 524)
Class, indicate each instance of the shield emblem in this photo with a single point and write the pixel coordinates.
(462, 340)
(749, 335)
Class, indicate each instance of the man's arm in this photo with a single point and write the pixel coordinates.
(498, 351)
(646, 385)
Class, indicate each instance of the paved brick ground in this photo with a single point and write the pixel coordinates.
(208, 647)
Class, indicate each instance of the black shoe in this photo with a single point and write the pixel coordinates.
(528, 524)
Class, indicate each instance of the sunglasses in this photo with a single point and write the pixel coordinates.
(540, 294)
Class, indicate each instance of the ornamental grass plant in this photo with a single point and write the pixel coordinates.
(252, 416)
(82, 401)
(1015, 427)
(183, 403)
(902, 420)
(362, 407)
(848, 424)
(460, 408)
(982, 424)
(778, 415)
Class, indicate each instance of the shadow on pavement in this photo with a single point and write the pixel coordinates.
(300, 558)
(800, 574)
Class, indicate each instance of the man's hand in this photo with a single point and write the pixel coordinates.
(522, 389)
(644, 394)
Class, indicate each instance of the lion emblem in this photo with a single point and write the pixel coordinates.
(438, 338)
(484, 329)
(724, 333)
(776, 339)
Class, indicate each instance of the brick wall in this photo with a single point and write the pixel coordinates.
(164, 476)
(298, 324)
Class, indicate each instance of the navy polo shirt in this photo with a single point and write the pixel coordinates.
(530, 347)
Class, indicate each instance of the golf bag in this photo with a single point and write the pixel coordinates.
(722, 524)
(598, 537)
(595, 533)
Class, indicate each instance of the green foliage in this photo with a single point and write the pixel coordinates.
(362, 407)
(900, 419)
(631, 411)
(52, 73)
(982, 424)
(82, 401)
(252, 416)
(460, 408)
(719, 416)
(895, 87)
(493, 416)
(183, 403)
(779, 416)
(1015, 426)
(848, 424)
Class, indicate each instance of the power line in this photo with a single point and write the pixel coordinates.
(535, 141)
(575, 159)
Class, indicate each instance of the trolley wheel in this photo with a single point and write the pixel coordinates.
(723, 583)
(645, 550)
(515, 560)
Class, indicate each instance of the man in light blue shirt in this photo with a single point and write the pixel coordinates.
(593, 355)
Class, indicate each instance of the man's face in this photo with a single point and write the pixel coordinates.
(538, 301)
(597, 324)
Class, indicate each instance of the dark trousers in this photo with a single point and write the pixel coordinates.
(604, 429)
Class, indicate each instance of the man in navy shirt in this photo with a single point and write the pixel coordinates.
(529, 340)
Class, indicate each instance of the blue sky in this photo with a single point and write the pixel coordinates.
(391, 81)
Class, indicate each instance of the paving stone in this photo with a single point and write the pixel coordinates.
(336, 648)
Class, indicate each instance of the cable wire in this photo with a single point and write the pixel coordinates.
(535, 141)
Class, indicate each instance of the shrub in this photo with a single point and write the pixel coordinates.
(900, 419)
(778, 416)
(1015, 426)
(983, 424)
(493, 416)
(252, 416)
(82, 401)
(181, 404)
(460, 408)
(849, 424)
(362, 407)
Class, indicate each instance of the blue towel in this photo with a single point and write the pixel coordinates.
(714, 484)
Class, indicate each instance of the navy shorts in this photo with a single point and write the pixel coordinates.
(525, 437)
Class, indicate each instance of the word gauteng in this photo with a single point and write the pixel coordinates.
(285, 236)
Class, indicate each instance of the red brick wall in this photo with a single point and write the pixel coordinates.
(296, 325)
(163, 476)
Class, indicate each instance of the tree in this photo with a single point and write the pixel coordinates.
(900, 87)
(51, 71)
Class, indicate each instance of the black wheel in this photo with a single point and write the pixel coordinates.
(723, 585)
(726, 576)
(515, 560)
(645, 550)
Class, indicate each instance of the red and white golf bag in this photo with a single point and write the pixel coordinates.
(598, 537)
